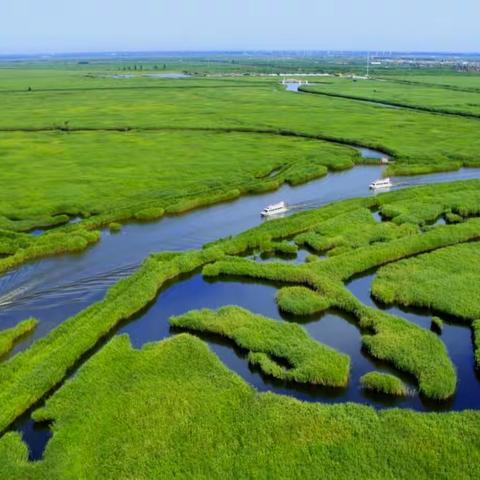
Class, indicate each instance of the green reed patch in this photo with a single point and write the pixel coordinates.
(267, 340)
(352, 230)
(171, 170)
(302, 301)
(54, 354)
(383, 383)
(115, 227)
(434, 98)
(427, 205)
(174, 396)
(447, 280)
(151, 213)
(10, 336)
(366, 258)
(404, 344)
(50, 243)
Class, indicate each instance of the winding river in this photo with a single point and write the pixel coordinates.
(54, 289)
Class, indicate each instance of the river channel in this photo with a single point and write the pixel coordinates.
(54, 289)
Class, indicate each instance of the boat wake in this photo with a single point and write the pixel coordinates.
(33, 290)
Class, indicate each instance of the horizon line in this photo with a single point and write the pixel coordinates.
(238, 51)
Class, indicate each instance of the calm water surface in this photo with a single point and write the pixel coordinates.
(53, 289)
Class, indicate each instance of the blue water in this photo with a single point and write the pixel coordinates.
(56, 288)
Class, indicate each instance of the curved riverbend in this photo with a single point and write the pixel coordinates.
(332, 328)
(56, 288)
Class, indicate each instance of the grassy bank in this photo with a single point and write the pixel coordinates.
(60, 350)
(383, 383)
(446, 280)
(282, 350)
(172, 409)
(9, 336)
(386, 337)
(223, 136)
(134, 105)
(176, 171)
(401, 343)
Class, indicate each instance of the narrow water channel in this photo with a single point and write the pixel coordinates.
(331, 328)
(196, 292)
(456, 335)
(54, 289)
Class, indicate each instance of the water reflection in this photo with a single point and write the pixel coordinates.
(456, 335)
(332, 328)
(55, 288)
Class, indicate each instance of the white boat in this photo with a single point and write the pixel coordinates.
(382, 183)
(274, 209)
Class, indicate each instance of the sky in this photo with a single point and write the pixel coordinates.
(55, 26)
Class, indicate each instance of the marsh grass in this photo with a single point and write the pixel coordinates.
(54, 354)
(174, 396)
(302, 301)
(10, 336)
(446, 280)
(405, 345)
(266, 340)
(383, 383)
(144, 413)
(115, 227)
(47, 244)
(418, 96)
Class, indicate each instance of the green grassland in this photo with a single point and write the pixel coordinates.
(114, 150)
(9, 336)
(352, 230)
(407, 346)
(267, 341)
(72, 104)
(93, 135)
(91, 173)
(388, 337)
(447, 280)
(469, 82)
(413, 95)
(195, 418)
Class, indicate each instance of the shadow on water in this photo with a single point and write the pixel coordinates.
(35, 434)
